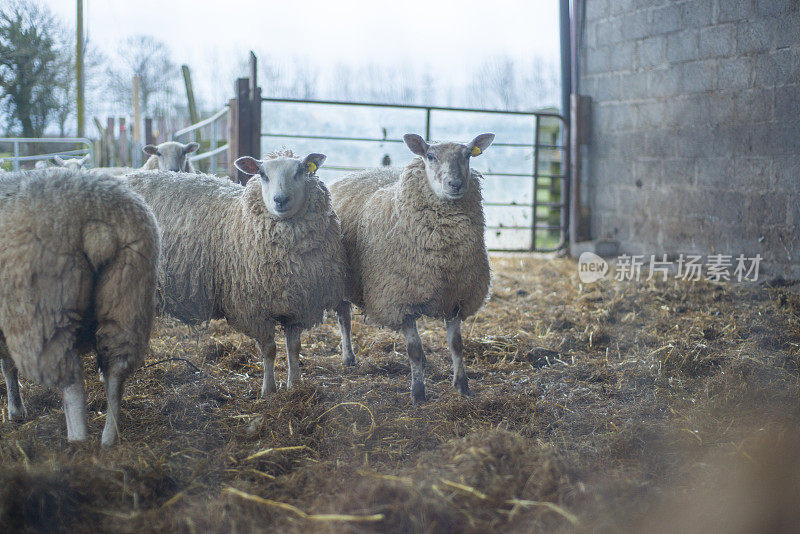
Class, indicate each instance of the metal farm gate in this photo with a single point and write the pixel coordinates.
(525, 187)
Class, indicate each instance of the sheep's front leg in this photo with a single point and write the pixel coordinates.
(16, 407)
(293, 354)
(114, 383)
(74, 399)
(268, 350)
(343, 310)
(417, 358)
(456, 345)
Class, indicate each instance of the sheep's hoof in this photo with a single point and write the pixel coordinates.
(462, 386)
(418, 392)
(349, 361)
(109, 437)
(17, 414)
(266, 391)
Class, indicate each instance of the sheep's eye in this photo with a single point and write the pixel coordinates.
(431, 156)
(264, 176)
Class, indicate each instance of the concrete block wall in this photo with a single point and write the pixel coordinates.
(695, 134)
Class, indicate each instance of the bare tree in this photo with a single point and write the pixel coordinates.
(150, 59)
(495, 84)
(66, 83)
(304, 83)
(342, 82)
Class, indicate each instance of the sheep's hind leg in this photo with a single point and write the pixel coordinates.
(343, 310)
(416, 357)
(268, 351)
(456, 345)
(74, 399)
(293, 354)
(16, 406)
(114, 383)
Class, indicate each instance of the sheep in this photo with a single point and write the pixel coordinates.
(266, 253)
(78, 265)
(116, 171)
(71, 163)
(41, 164)
(170, 156)
(414, 239)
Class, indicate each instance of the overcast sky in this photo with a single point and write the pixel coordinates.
(448, 36)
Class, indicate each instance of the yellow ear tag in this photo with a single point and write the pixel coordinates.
(476, 151)
(311, 167)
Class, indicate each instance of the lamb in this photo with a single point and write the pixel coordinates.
(71, 163)
(170, 156)
(258, 255)
(78, 265)
(414, 239)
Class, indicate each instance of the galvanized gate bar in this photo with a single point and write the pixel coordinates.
(536, 175)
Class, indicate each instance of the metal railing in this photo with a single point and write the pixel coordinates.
(16, 141)
(212, 121)
(540, 223)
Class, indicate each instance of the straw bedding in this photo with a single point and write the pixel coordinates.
(591, 403)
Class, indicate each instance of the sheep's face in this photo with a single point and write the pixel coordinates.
(172, 156)
(74, 164)
(447, 164)
(283, 181)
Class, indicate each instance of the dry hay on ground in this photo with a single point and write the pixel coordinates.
(590, 402)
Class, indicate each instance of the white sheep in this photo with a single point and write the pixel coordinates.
(115, 171)
(415, 246)
(264, 254)
(78, 265)
(170, 156)
(71, 163)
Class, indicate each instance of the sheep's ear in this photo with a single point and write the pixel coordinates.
(85, 159)
(58, 160)
(191, 147)
(312, 162)
(416, 144)
(150, 150)
(248, 165)
(480, 143)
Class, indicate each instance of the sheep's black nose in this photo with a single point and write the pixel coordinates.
(455, 184)
(281, 200)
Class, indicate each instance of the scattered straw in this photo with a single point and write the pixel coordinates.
(569, 516)
(300, 513)
(265, 452)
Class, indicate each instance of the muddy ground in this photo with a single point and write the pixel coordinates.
(604, 407)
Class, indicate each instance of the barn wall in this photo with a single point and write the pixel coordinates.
(695, 126)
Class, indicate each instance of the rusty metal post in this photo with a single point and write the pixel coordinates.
(243, 126)
(244, 129)
(255, 108)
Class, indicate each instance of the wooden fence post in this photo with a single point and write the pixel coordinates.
(148, 131)
(111, 146)
(123, 149)
(233, 147)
